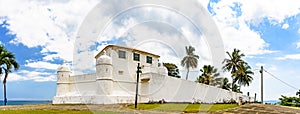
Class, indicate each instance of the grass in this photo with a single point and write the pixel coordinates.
(45, 112)
(169, 107)
(188, 108)
(52, 112)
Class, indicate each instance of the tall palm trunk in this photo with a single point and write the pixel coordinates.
(4, 88)
(187, 74)
(232, 84)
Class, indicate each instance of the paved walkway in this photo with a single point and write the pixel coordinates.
(260, 109)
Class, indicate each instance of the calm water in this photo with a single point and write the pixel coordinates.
(25, 102)
(272, 101)
(19, 102)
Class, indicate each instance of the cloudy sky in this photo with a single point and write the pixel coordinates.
(43, 34)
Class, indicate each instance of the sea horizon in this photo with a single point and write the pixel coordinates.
(272, 101)
(25, 102)
(39, 101)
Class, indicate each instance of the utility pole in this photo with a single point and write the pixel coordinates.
(137, 84)
(262, 85)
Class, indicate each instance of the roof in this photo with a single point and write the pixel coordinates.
(63, 67)
(128, 48)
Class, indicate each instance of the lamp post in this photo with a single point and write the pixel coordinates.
(137, 84)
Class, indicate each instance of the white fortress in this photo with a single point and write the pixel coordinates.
(115, 82)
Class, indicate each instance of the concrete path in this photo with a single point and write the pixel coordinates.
(261, 109)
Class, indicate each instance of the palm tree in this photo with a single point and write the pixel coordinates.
(210, 75)
(200, 79)
(244, 75)
(236, 88)
(190, 60)
(7, 63)
(225, 84)
(232, 64)
(298, 93)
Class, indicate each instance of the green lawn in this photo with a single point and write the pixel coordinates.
(188, 108)
(51, 112)
(185, 107)
(44, 112)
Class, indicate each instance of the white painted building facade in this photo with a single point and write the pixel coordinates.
(115, 82)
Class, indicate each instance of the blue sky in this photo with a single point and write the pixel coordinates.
(42, 35)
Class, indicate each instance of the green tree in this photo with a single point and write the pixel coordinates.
(289, 101)
(190, 60)
(172, 69)
(243, 76)
(7, 63)
(200, 79)
(225, 84)
(236, 88)
(233, 64)
(298, 93)
(209, 76)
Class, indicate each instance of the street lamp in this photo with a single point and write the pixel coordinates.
(137, 84)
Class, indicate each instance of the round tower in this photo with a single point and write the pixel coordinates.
(162, 70)
(104, 72)
(63, 79)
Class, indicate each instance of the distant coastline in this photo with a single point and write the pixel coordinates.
(272, 101)
(26, 102)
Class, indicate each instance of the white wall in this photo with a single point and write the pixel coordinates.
(128, 65)
(120, 87)
(178, 90)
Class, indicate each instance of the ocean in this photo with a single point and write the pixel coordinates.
(272, 101)
(24, 102)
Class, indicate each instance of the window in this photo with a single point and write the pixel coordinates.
(120, 72)
(122, 54)
(136, 57)
(149, 59)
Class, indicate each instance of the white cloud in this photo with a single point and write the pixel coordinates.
(235, 28)
(285, 26)
(51, 25)
(274, 10)
(160, 35)
(298, 45)
(290, 56)
(25, 75)
(42, 65)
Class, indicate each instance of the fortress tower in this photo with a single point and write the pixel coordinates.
(104, 74)
(63, 79)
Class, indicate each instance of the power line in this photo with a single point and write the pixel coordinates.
(281, 80)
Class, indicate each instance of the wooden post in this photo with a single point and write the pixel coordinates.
(254, 97)
(248, 94)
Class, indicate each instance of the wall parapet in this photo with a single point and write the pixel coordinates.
(83, 77)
